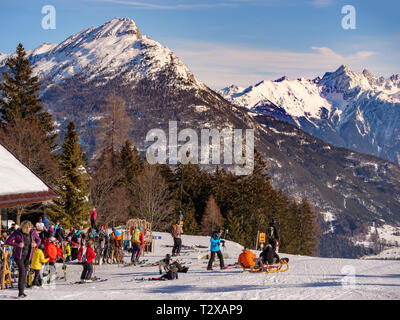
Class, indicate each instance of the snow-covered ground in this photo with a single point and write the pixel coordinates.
(387, 254)
(307, 278)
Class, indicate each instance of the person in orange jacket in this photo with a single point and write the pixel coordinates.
(247, 259)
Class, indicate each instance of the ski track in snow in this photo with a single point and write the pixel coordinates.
(307, 278)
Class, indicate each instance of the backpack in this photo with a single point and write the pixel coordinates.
(136, 236)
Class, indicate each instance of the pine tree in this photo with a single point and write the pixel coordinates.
(24, 128)
(72, 208)
(307, 217)
(20, 97)
(192, 189)
(257, 199)
(190, 225)
(234, 231)
(131, 163)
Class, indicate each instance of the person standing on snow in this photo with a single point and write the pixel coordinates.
(137, 244)
(37, 263)
(46, 223)
(24, 240)
(269, 254)
(51, 252)
(86, 256)
(273, 234)
(176, 234)
(93, 217)
(215, 250)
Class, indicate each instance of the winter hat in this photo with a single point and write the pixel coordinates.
(174, 269)
(52, 239)
(140, 228)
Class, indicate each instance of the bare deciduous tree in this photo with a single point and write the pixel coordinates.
(114, 126)
(151, 198)
(112, 202)
(212, 218)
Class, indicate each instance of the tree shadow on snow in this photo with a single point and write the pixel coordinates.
(387, 276)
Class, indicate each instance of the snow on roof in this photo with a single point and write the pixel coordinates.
(18, 184)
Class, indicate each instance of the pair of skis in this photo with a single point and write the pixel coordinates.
(93, 280)
(139, 263)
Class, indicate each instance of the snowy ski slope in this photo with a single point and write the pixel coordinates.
(308, 278)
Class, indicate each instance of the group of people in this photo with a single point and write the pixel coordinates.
(268, 256)
(46, 243)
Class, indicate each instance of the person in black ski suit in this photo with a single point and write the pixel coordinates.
(60, 234)
(171, 274)
(273, 234)
(269, 254)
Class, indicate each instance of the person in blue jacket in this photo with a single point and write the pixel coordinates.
(215, 250)
(46, 223)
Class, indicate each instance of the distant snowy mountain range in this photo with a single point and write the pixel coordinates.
(349, 109)
(350, 189)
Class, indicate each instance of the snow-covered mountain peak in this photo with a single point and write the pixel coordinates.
(117, 27)
(343, 80)
(281, 79)
(116, 47)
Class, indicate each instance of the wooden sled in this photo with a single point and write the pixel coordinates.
(283, 266)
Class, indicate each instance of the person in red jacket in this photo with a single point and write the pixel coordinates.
(86, 255)
(59, 252)
(93, 217)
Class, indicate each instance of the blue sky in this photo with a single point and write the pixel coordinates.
(231, 41)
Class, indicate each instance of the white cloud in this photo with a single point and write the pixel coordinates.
(220, 65)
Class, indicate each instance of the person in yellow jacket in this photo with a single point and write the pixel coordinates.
(67, 251)
(38, 260)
